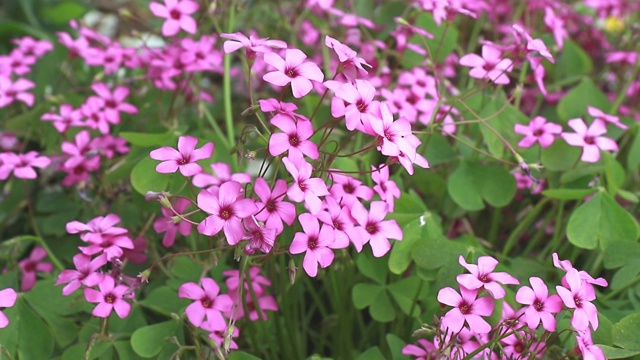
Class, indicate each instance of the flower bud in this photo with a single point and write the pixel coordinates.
(152, 196)
(291, 269)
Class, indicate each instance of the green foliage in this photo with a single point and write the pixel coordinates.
(472, 184)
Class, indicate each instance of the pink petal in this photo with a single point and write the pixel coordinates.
(191, 291)
(449, 296)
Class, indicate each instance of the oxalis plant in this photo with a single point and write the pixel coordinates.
(446, 179)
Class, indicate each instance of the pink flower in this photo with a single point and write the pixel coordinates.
(177, 14)
(490, 65)
(483, 276)
(589, 139)
(586, 278)
(520, 346)
(260, 237)
(273, 210)
(385, 188)
(85, 274)
(170, 228)
(22, 164)
(11, 91)
(351, 64)
(373, 229)
(96, 229)
(557, 26)
(422, 352)
(31, 265)
(32, 47)
(305, 187)
(183, 159)
(579, 297)
(258, 283)
(252, 44)
(339, 218)
(218, 333)
(113, 103)
(294, 137)
(109, 297)
(466, 308)
(208, 303)
(293, 69)
(314, 242)
(8, 298)
(588, 350)
(362, 109)
(541, 305)
(538, 130)
(226, 209)
(347, 190)
(112, 246)
(394, 136)
(599, 115)
(68, 117)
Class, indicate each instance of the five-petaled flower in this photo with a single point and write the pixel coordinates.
(209, 303)
(109, 298)
(177, 14)
(183, 159)
(293, 69)
(590, 139)
(466, 308)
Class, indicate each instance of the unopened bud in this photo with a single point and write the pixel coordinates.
(401, 21)
(238, 252)
(176, 219)
(250, 155)
(153, 196)
(164, 200)
(144, 276)
(228, 334)
(291, 269)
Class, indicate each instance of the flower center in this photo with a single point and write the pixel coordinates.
(589, 140)
(312, 243)
(371, 228)
(111, 104)
(294, 140)
(361, 105)
(30, 267)
(484, 278)
(538, 133)
(349, 188)
(226, 213)
(291, 72)
(206, 302)
(464, 308)
(109, 298)
(271, 206)
(538, 305)
(578, 302)
(184, 160)
(175, 14)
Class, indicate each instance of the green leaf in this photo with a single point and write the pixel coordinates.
(381, 308)
(627, 332)
(617, 353)
(472, 182)
(149, 340)
(164, 300)
(442, 43)
(614, 173)
(363, 294)
(372, 353)
(560, 156)
(568, 194)
(241, 355)
(372, 267)
(573, 62)
(605, 331)
(149, 140)
(63, 12)
(574, 104)
(600, 221)
(633, 161)
(626, 275)
(463, 188)
(619, 253)
(145, 178)
(35, 340)
(395, 345)
(125, 351)
(187, 269)
(407, 292)
(400, 257)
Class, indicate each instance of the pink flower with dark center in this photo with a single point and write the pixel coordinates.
(31, 265)
(590, 139)
(483, 276)
(68, 117)
(304, 187)
(272, 209)
(97, 228)
(347, 190)
(32, 47)
(541, 305)
(579, 297)
(113, 102)
(491, 65)
(362, 109)
(112, 246)
(385, 188)
(92, 110)
(373, 229)
(170, 228)
(293, 69)
(8, 298)
(177, 14)
(294, 137)
(422, 352)
(315, 242)
(256, 310)
(183, 159)
(226, 209)
(218, 333)
(339, 218)
(260, 237)
(16, 63)
(522, 346)
(22, 164)
(393, 136)
(209, 303)
(538, 130)
(110, 145)
(599, 115)
(11, 91)
(351, 64)
(85, 274)
(586, 278)
(109, 298)
(252, 44)
(466, 308)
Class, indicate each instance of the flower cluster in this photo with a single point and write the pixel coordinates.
(522, 332)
